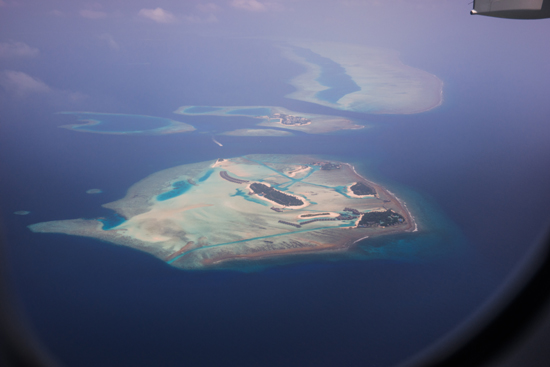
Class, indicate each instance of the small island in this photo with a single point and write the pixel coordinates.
(217, 214)
(380, 218)
(290, 120)
(361, 189)
(275, 195)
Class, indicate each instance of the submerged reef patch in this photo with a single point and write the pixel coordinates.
(123, 124)
(361, 79)
(94, 191)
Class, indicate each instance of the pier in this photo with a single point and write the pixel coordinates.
(226, 176)
(317, 220)
(290, 224)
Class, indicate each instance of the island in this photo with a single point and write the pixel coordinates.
(219, 214)
(290, 120)
(274, 117)
(362, 189)
(275, 195)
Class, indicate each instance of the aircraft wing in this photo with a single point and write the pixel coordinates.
(513, 9)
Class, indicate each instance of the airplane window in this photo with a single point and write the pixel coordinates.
(268, 183)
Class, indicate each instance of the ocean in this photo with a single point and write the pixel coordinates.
(475, 178)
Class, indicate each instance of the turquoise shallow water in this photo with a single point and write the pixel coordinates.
(251, 112)
(201, 109)
(179, 188)
(250, 198)
(111, 221)
(206, 175)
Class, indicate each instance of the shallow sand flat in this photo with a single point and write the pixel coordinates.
(387, 85)
(300, 171)
(257, 132)
(216, 220)
(320, 124)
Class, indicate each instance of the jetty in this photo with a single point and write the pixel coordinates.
(290, 224)
(226, 176)
(317, 220)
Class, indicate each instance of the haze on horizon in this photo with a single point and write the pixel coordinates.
(42, 39)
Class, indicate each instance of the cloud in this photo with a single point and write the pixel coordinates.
(17, 49)
(250, 5)
(21, 84)
(159, 15)
(208, 8)
(113, 45)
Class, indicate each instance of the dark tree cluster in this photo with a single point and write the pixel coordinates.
(329, 166)
(387, 218)
(361, 189)
(275, 195)
(293, 120)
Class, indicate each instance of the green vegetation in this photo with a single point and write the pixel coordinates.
(387, 218)
(361, 189)
(275, 195)
(329, 166)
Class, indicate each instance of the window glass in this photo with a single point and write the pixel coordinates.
(266, 183)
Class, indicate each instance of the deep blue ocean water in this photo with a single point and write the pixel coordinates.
(97, 304)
